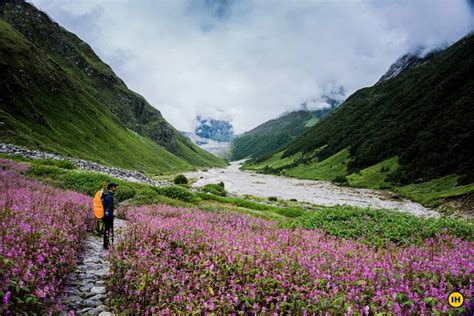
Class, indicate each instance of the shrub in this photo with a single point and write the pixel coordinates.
(340, 179)
(379, 227)
(180, 179)
(179, 193)
(272, 198)
(63, 164)
(124, 192)
(216, 189)
(291, 212)
(90, 182)
(44, 171)
(84, 181)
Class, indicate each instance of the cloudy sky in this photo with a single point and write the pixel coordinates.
(249, 61)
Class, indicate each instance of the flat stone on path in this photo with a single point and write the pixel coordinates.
(85, 289)
(99, 290)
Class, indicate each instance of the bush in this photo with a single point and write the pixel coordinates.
(63, 164)
(221, 184)
(379, 227)
(45, 171)
(178, 193)
(216, 189)
(340, 179)
(180, 179)
(272, 198)
(291, 212)
(288, 212)
(90, 182)
(145, 195)
(124, 192)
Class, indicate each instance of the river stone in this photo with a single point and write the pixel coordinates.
(73, 299)
(97, 310)
(99, 290)
(84, 310)
(105, 314)
(85, 288)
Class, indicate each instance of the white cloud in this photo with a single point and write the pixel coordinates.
(252, 60)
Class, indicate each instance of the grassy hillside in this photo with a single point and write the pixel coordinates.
(424, 116)
(58, 96)
(274, 134)
(411, 133)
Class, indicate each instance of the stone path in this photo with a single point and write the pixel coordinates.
(85, 291)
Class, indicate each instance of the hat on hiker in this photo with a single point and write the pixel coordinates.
(111, 185)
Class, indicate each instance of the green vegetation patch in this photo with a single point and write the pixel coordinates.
(327, 169)
(216, 189)
(275, 161)
(380, 227)
(287, 212)
(178, 193)
(374, 177)
(432, 192)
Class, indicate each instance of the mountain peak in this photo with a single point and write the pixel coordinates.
(409, 61)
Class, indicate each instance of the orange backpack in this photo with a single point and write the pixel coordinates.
(98, 206)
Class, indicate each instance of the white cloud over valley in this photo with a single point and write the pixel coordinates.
(250, 61)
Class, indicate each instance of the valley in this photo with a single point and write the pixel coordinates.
(259, 176)
(322, 193)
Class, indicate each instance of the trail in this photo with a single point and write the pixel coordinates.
(85, 290)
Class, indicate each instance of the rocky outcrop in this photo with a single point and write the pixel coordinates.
(127, 175)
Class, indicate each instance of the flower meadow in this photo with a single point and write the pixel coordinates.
(180, 260)
(41, 229)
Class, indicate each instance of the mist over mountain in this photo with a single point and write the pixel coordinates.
(417, 120)
(273, 135)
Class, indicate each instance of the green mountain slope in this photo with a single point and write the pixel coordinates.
(57, 95)
(410, 129)
(425, 116)
(271, 136)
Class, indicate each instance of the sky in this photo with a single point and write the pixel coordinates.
(249, 61)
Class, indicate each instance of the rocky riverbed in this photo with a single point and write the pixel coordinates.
(127, 175)
(317, 192)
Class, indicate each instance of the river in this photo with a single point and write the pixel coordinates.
(322, 193)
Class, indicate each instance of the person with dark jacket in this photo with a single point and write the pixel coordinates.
(108, 219)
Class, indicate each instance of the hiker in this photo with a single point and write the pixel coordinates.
(108, 219)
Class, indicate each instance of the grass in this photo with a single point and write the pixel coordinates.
(289, 212)
(374, 177)
(381, 227)
(311, 122)
(327, 169)
(275, 161)
(432, 192)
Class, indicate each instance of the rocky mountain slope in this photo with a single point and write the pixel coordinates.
(57, 95)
